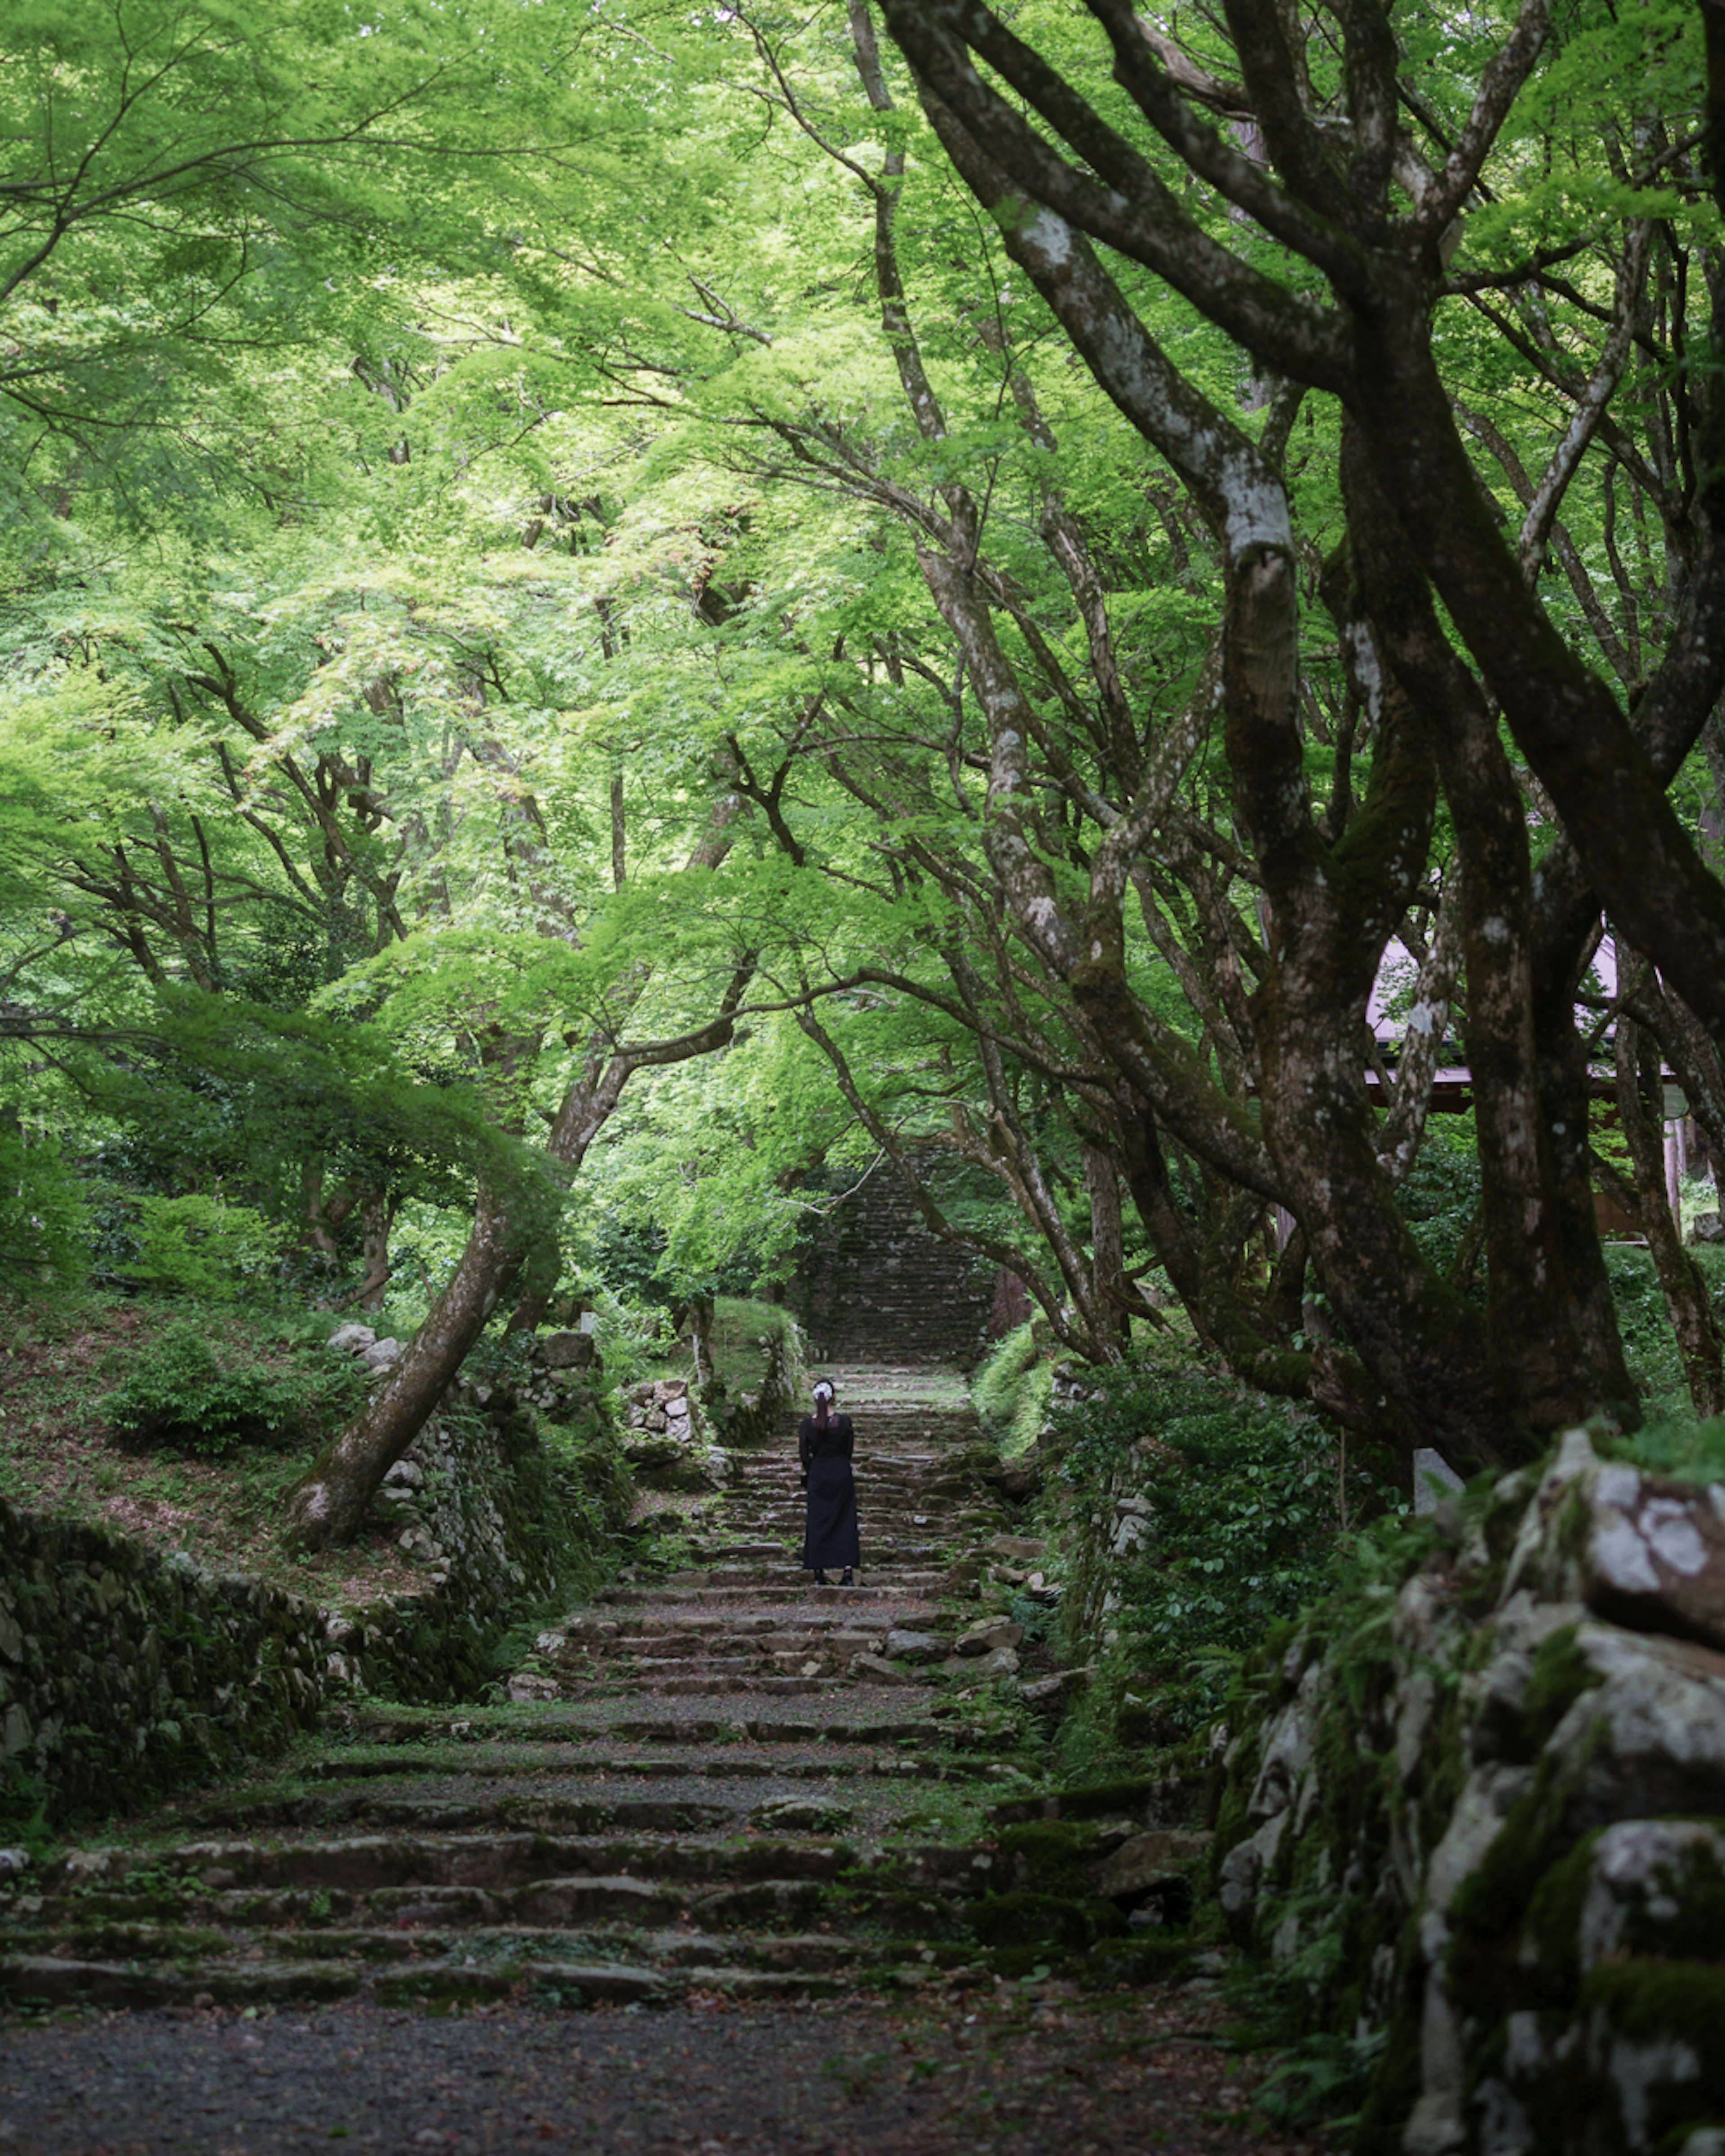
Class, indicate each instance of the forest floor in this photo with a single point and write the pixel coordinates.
(59, 1456)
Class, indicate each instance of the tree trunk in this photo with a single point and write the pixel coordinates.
(1107, 1247)
(328, 1506)
(1532, 1343)
(1639, 1096)
(377, 1215)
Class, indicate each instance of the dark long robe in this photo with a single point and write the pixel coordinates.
(830, 1536)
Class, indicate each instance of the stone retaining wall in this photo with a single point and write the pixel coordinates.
(757, 1417)
(1473, 1815)
(125, 1672)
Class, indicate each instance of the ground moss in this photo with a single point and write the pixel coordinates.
(1490, 1901)
(1047, 1856)
(1045, 1920)
(451, 1987)
(1697, 1932)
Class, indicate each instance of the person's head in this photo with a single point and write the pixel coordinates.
(825, 1396)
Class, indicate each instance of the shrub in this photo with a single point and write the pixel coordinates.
(1244, 1493)
(198, 1392)
(197, 1245)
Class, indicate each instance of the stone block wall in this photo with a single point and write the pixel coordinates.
(757, 1416)
(124, 1672)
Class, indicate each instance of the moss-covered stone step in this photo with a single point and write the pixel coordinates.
(874, 1587)
(901, 1579)
(511, 1812)
(527, 1763)
(624, 1903)
(329, 1945)
(618, 1630)
(760, 1730)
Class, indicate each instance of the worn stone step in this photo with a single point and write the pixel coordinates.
(869, 1589)
(904, 1578)
(516, 1813)
(733, 1623)
(722, 1765)
(368, 1863)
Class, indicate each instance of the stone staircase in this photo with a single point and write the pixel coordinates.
(721, 1779)
(878, 1273)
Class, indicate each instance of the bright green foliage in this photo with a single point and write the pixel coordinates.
(207, 1393)
(43, 1214)
(1687, 1450)
(198, 1246)
(1012, 1391)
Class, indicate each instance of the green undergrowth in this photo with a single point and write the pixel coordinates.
(1649, 1345)
(741, 1326)
(210, 1389)
(1675, 1445)
(1245, 1496)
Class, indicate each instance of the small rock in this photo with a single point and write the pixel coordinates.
(1002, 1662)
(14, 1863)
(912, 1646)
(565, 1350)
(527, 1686)
(798, 1815)
(1022, 1550)
(1655, 1556)
(875, 1669)
(1048, 1691)
(985, 1638)
(1434, 1478)
(353, 1339)
(1147, 1858)
(382, 1354)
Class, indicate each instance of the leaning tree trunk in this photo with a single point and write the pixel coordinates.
(328, 1504)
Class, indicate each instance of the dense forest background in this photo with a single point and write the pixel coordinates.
(614, 619)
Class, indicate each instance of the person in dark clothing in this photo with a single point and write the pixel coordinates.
(825, 1443)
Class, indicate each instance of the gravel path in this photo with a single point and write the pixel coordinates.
(1061, 2079)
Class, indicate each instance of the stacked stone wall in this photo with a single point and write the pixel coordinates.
(125, 1672)
(1472, 1815)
